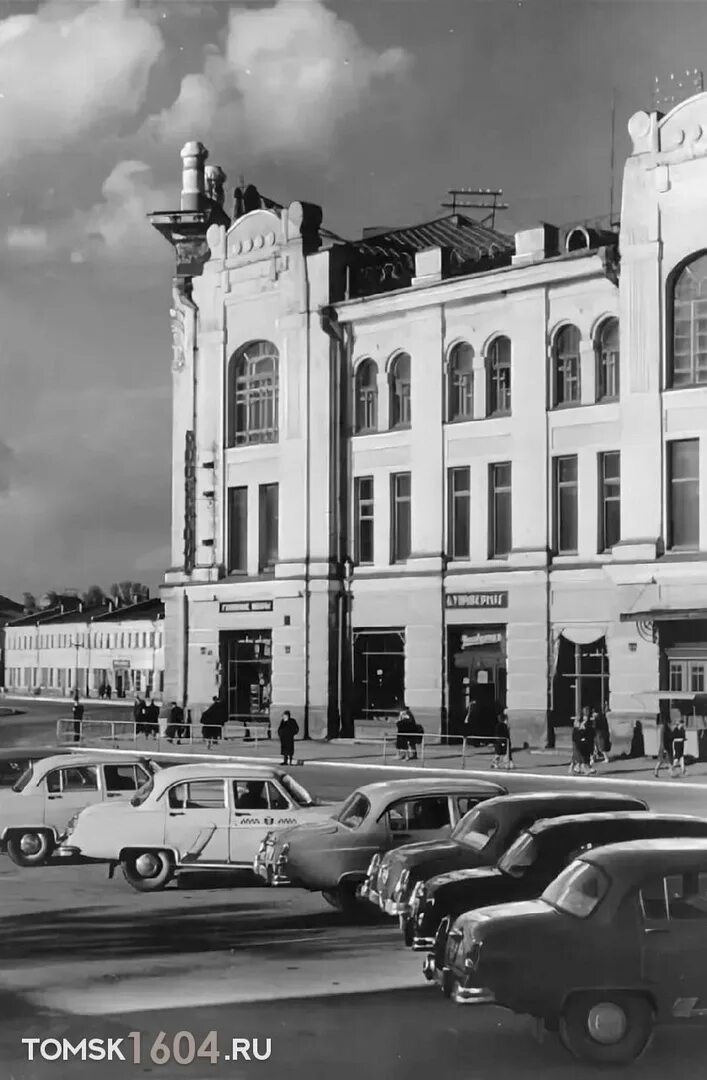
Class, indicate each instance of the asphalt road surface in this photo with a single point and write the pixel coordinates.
(82, 956)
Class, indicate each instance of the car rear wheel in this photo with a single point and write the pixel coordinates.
(30, 847)
(606, 1028)
(147, 871)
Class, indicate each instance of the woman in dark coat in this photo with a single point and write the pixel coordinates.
(602, 741)
(286, 733)
(586, 743)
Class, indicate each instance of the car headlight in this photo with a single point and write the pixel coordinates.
(473, 956)
(373, 866)
(401, 884)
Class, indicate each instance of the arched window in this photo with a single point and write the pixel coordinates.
(460, 382)
(606, 347)
(566, 382)
(253, 394)
(366, 397)
(399, 379)
(498, 377)
(689, 359)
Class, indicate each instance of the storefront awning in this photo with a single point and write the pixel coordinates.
(583, 633)
(664, 615)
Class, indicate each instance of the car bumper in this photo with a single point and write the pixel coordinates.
(67, 851)
(472, 995)
(393, 907)
(367, 892)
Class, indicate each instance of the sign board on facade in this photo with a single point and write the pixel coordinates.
(477, 600)
(121, 665)
(235, 606)
(470, 641)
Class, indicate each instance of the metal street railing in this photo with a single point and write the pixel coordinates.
(121, 731)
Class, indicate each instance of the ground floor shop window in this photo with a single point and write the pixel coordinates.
(476, 677)
(581, 679)
(683, 665)
(246, 666)
(378, 673)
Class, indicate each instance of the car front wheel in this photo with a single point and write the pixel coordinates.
(30, 847)
(147, 871)
(344, 899)
(606, 1028)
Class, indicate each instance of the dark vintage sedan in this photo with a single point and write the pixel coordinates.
(478, 840)
(16, 759)
(331, 857)
(616, 944)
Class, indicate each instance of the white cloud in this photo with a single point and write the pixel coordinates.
(71, 70)
(27, 238)
(286, 78)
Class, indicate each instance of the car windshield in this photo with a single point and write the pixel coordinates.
(24, 780)
(354, 811)
(519, 856)
(299, 794)
(142, 792)
(476, 829)
(578, 890)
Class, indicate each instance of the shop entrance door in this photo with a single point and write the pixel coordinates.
(246, 663)
(476, 671)
(581, 679)
(379, 673)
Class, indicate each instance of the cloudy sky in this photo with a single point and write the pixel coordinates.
(372, 108)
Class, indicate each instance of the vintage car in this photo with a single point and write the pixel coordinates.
(532, 862)
(331, 858)
(34, 813)
(615, 945)
(192, 817)
(479, 839)
(15, 760)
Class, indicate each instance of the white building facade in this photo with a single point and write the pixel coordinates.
(57, 652)
(441, 464)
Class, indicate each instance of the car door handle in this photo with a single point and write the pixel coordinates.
(55, 796)
(244, 813)
(655, 930)
(176, 813)
(114, 794)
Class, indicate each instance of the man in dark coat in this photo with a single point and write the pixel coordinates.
(152, 719)
(176, 722)
(287, 731)
(77, 713)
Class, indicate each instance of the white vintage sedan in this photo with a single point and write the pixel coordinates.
(192, 817)
(34, 813)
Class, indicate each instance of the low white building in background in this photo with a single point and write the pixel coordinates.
(120, 648)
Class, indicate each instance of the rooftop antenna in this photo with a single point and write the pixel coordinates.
(458, 202)
(676, 88)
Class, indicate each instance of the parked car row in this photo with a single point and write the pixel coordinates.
(583, 910)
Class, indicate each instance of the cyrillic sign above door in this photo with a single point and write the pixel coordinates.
(477, 600)
(233, 606)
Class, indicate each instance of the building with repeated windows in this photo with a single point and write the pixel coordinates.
(440, 463)
(108, 650)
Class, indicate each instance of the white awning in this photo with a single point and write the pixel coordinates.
(583, 633)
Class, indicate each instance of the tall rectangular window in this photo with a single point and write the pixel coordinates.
(237, 549)
(363, 519)
(400, 516)
(565, 505)
(269, 530)
(459, 512)
(609, 499)
(684, 494)
(500, 520)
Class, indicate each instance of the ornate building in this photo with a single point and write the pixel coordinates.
(440, 463)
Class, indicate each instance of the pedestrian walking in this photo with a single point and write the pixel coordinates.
(502, 746)
(139, 715)
(586, 742)
(678, 747)
(286, 733)
(77, 714)
(152, 719)
(602, 743)
(665, 745)
(576, 763)
(209, 723)
(176, 722)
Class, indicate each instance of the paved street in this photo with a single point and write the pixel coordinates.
(82, 955)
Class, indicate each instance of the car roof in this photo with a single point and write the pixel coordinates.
(46, 764)
(432, 785)
(534, 800)
(12, 753)
(207, 769)
(545, 825)
(632, 859)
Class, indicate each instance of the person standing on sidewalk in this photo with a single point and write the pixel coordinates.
(576, 763)
(176, 722)
(601, 731)
(678, 746)
(77, 714)
(286, 733)
(665, 745)
(504, 752)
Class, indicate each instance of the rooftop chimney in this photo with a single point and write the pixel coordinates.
(194, 156)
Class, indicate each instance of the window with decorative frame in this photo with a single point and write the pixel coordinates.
(566, 370)
(399, 380)
(498, 377)
(253, 395)
(460, 382)
(606, 348)
(688, 306)
(366, 397)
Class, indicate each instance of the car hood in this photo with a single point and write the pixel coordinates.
(517, 909)
(431, 857)
(307, 831)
